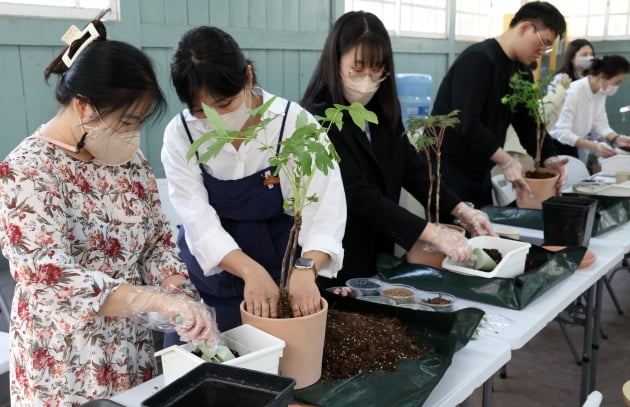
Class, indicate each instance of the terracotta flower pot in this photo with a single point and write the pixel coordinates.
(304, 343)
(542, 188)
(432, 257)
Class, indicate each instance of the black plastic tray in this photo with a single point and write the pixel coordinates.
(212, 384)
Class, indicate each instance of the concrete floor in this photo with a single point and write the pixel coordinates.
(544, 374)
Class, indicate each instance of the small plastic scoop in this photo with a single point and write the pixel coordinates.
(480, 261)
(219, 354)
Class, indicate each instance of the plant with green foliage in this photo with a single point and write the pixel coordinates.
(428, 136)
(299, 158)
(530, 95)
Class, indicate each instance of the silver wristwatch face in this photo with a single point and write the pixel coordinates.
(303, 262)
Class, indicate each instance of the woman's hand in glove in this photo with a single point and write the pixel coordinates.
(475, 221)
(513, 172)
(440, 238)
(603, 149)
(193, 320)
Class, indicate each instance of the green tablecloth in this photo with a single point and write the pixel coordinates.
(514, 293)
(413, 380)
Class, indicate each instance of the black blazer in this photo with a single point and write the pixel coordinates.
(373, 175)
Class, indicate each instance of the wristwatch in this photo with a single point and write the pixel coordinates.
(304, 263)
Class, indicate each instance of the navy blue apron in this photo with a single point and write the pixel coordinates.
(252, 213)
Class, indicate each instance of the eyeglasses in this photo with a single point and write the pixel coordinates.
(543, 47)
(375, 76)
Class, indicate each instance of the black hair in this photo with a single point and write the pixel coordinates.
(365, 31)
(572, 49)
(112, 76)
(541, 12)
(208, 58)
(609, 65)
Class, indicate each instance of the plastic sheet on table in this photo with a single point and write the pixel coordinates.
(513, 293)
(413, 380)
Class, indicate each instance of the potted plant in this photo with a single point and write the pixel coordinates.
(300, 157)
(427, 135)
(541, 180)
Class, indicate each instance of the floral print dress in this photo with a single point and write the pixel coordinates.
(73, 231)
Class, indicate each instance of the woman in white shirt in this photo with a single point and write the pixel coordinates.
(234, 228)
(584, 109)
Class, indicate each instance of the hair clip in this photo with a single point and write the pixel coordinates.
(74, 34)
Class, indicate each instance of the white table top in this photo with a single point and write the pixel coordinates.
(4, 352)
(519, 326)
(471, 367)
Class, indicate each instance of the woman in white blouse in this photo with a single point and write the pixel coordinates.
(234, 228)
(584, 109)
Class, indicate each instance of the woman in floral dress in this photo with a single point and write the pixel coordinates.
(85, 236)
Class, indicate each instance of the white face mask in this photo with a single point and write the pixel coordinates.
(584, 63)
(609, 91)
(108, 147)
(234, 120)
(360, 91)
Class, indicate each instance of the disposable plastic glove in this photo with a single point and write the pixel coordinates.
(604, 150)
(450, 242)
(622, 141)
(192, 319)
(558, 164)
(513, 172)
(475, 221)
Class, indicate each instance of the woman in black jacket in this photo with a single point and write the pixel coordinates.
(357, 65)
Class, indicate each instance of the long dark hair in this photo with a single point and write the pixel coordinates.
(112, 76)
(356, 29)
(208, 58)
(609, 65)
(572, 48)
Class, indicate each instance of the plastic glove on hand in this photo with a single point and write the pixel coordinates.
(604, 150)
(474, 220)
(513, 172)
(560, 165)
(193, 320)
(450, 242)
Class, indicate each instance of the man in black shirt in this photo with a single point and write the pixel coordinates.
(475, 84)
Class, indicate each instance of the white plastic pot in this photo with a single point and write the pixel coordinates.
(511, 265)
(257, 350)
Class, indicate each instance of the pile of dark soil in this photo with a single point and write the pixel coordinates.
(494, 255)
(355, 342)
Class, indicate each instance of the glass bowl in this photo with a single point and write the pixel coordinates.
(378, 299)
(367, 286)
(345, 291)
(400, 293)
(437, 301)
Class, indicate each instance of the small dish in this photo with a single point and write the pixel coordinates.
(345, 291)
(437, 301)
(400, 293)
(367, 286)
(588, 259)
(378, 299)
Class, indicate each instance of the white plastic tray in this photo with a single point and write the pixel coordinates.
(511, 265)
(257, 350)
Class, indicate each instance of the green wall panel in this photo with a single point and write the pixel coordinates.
(284, 37)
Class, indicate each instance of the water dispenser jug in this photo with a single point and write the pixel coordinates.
(414, 94)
